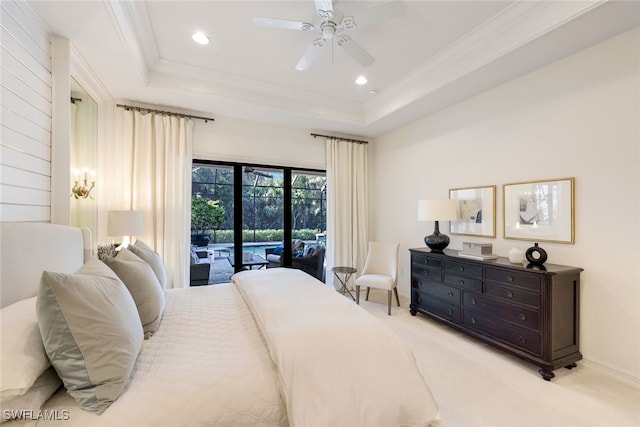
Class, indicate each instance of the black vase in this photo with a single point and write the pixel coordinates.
(536, 255)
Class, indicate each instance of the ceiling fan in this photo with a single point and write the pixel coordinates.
(331, 23)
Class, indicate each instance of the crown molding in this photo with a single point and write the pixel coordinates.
(85, 77)
(131, 20)
(232, 88)
(513, 27)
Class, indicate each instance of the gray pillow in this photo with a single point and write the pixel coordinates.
(144, 287)
(91, 332)
(152, 258)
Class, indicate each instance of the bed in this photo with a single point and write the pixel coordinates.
(272, 348)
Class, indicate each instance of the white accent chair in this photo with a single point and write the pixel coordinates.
(380, 271)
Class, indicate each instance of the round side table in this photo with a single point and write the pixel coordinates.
(343, 274)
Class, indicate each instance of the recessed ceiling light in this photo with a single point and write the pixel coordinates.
(361, 80)
(200, 38)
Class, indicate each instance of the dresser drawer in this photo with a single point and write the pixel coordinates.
(463, 282)
(503, 310)
(425, 261)
(445, 293)
(512, 294)
(511, 278)
(427, 272)
(437, 307)
(493, 327)
(463, 269)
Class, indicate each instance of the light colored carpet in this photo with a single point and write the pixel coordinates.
(477, 385)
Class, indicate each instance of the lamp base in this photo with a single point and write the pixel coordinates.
(437, 241)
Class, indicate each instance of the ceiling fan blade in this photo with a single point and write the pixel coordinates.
(356, 51)
(310, 55)
(374, 15)
(282, 23)
(325, 9)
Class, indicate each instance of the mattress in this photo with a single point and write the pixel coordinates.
(206, 366)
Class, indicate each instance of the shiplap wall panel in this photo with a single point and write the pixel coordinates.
(22, 160)
(29, 32)
(12, 66)
(26, 115)
(23, 178)
(13, 47)
(17, 213)
(23, 107)
(20, 196)
(12, 138)
(39, 132)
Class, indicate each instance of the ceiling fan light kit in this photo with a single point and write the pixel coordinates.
(331, 26)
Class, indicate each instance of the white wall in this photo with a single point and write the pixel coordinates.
(25, 144)
(228, 139)
(579, 117)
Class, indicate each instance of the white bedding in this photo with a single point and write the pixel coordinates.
(207, 365)
(337, 364)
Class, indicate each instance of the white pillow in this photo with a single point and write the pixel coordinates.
(144, 287)
(34, 398)
(23, 357)
(152, 258)
(91, 331)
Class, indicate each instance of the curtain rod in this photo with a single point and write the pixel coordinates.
(357, 141)
(151, 110)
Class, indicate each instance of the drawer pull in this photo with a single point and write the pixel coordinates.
(473, 301)
(509, 294)
(522, 316)
(450, 312)
(522, 339)
(510, 278)
(426, 261)
(460, 282)
(450, 293)
(461, 268)
(473, 320)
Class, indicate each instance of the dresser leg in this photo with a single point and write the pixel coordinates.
(546, 374)
(573, 365)
(412, 312)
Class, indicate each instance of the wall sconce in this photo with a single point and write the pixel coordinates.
(83, 191)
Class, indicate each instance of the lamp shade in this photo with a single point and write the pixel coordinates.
(437, 210)
(124, 223)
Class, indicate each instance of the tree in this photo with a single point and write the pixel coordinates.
(205, 215)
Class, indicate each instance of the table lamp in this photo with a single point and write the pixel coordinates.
(437, 210)
(125, 224)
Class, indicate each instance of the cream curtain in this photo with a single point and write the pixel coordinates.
(347, 206)
(161, 151)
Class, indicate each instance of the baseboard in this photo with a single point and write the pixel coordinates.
(624, 377)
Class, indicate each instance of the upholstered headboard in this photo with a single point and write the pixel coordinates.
(29, 248)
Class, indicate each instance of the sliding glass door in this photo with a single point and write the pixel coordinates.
(275, 205)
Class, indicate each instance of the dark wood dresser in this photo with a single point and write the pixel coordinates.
(531, 313)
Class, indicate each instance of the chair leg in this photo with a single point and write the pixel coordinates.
(367, 298)
(395, 291)
(357, 294)
(389, 301)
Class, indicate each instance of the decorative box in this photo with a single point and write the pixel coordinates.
(470, 248)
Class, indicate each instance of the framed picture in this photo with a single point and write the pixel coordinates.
(539, 210)
(476, 211)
